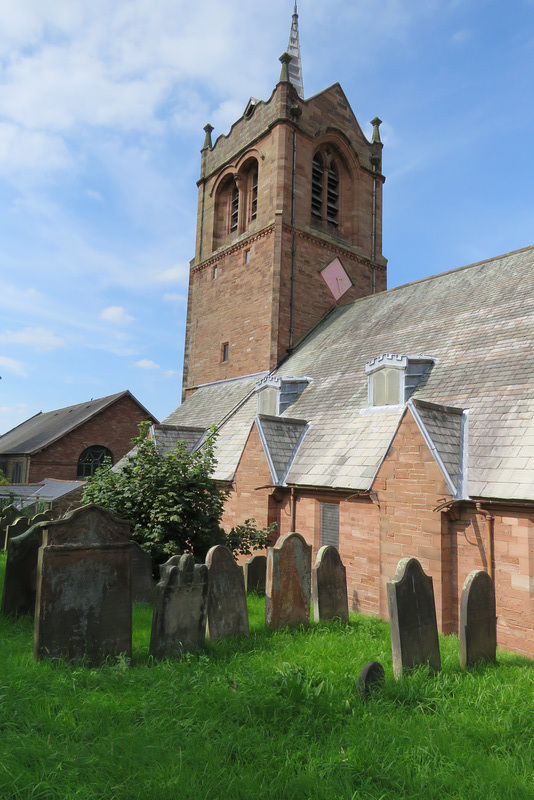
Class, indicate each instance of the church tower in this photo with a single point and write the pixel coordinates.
(289, 223)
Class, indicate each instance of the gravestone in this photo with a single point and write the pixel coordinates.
(412, 617)
(15, 528)
(142, 583)
(255, 572)
(330, 600)
(227, 601)
(83, 606)
(180, 608)
(20, 578)
(8, 515)
(288, 585)
(371, 677)
(478, 620)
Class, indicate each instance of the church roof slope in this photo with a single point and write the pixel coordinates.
(45, 428)
(476, 322)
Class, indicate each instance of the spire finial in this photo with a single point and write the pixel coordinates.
(293, 48)
(207, 140)
(376, 123)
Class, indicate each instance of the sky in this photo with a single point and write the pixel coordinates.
(102, 106)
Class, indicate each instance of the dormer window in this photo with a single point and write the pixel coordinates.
(393, 378)
(276, 394)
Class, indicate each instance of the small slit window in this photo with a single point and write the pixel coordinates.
(224, 352)
(254, 196)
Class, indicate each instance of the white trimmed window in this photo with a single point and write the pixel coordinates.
(392, 378)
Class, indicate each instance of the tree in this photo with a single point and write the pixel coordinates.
(172, 500)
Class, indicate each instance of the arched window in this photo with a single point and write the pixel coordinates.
(227, 203)
(92, 459)
(325, 187)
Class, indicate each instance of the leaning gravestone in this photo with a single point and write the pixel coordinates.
(180, 608)
(227, 601)
(412, 617)
(478, 620)
(142, 583)
(15, 528)
(288, 589)
(255, 572)
(330, 600)
(84, 597)
(20, 578)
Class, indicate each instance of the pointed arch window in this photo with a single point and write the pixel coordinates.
(317, 186)
(332, 194)
(91, 459)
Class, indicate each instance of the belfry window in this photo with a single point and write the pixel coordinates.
(254, 196)
(91, 459)
(234, 208)
(332, 194)
(317, 187)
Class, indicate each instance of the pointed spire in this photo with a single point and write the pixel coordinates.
(293, 48)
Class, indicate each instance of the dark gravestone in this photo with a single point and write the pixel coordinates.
(84, 596)
(8, 515)
(372, 677)
(330, 600)
(255, 572)
(142, 583)
(20, 579)
(478, 620)
(20, 525)
(412, 617)
(227, 601)
(180, 608)
(288, 589)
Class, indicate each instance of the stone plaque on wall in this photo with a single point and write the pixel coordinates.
(227, 601)
(288, 589)
(180, 608)
(255, 573)
(330, 600)
(478, 620)
(412, 617)
(83, 604)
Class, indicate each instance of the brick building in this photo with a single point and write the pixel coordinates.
(70, 443)
(390, 423)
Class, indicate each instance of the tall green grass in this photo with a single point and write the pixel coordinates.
(276, 715)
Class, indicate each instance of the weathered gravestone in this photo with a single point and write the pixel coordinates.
(180, 608)
(330, 600)
(20, 579)
(478, 620)
(84, 596)
(412, 617)
(142, 583)
(371, 677)
(288, 588)
(227, 601)
(255, 572)
(15, 528)
(8, 515)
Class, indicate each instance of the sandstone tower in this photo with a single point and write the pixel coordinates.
(295, 187)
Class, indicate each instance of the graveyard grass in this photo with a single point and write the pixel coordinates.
(275, 715)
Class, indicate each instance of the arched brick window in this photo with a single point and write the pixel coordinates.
(91, 459)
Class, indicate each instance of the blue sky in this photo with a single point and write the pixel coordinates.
(102, 105)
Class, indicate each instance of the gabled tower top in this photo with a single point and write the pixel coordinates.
(293, 48)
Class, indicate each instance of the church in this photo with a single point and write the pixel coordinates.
(390, 423)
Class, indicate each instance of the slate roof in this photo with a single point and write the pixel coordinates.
(477, 322)
(280, 438)
(44, 428)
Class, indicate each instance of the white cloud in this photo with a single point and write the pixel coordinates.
(171, 297)
(179, 273)
(40, 339)
(35, 151)
(117, 315)
(14, 366)
(146, 363)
